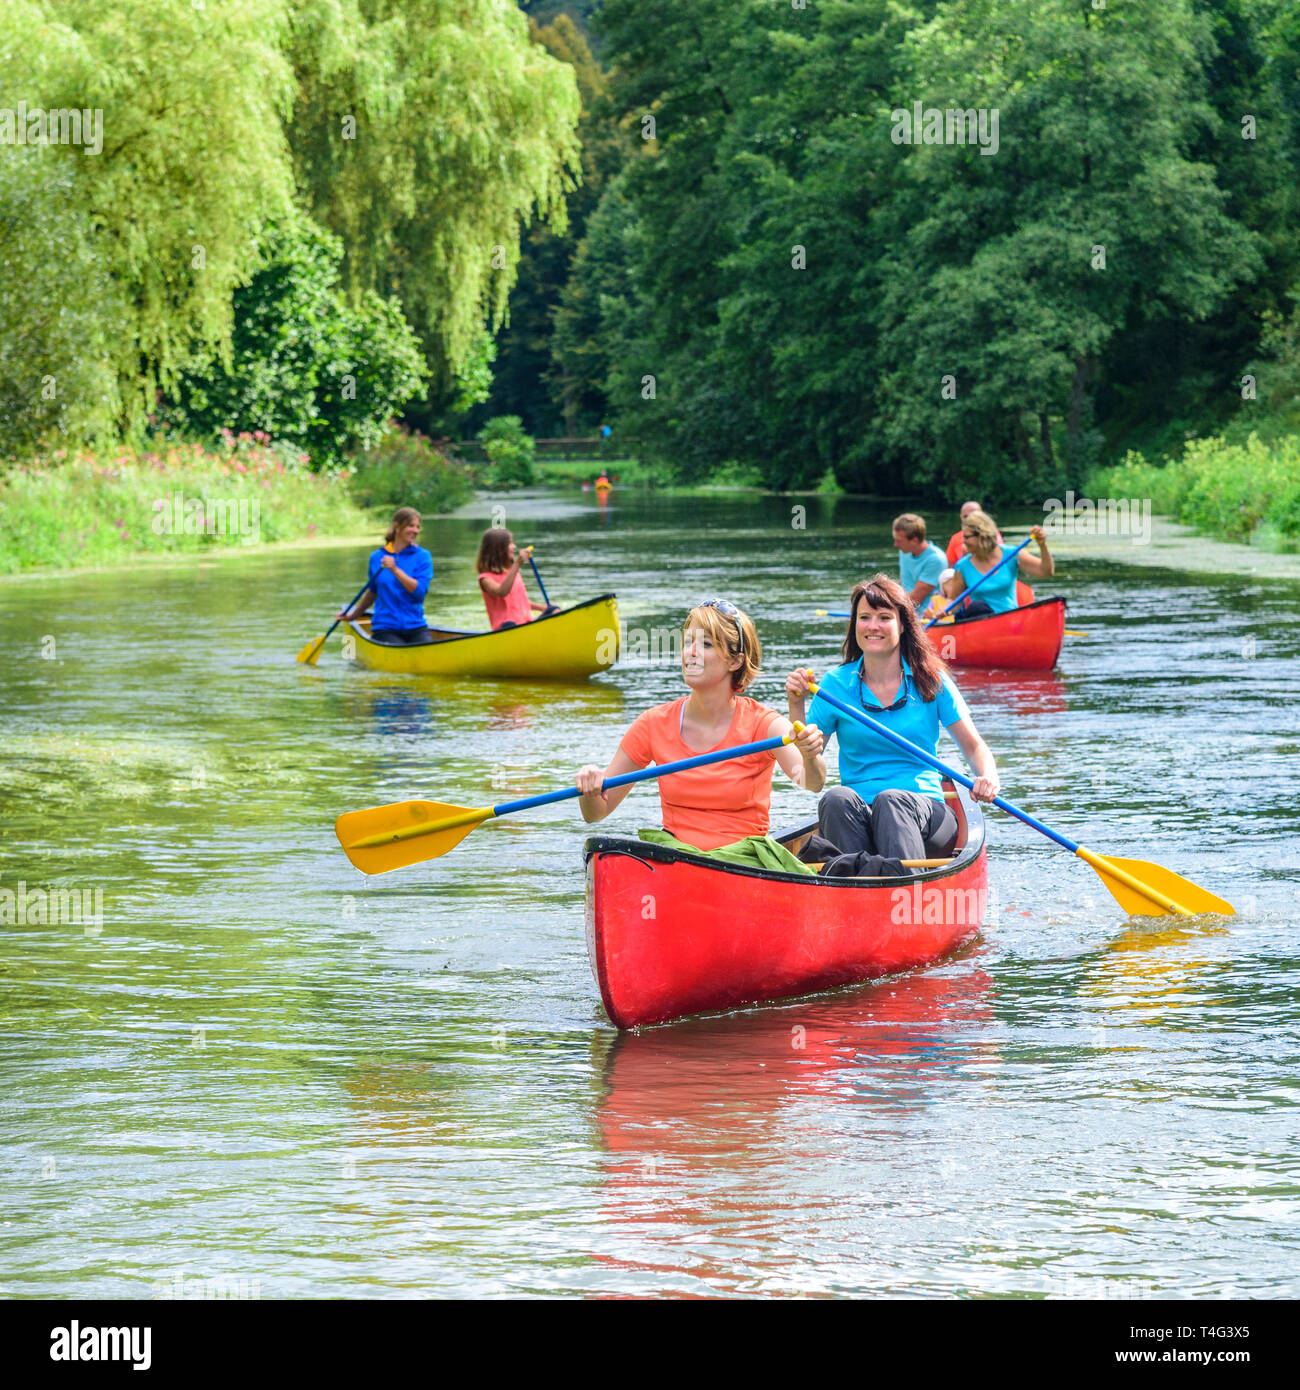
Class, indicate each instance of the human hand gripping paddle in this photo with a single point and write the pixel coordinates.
(1140, 888)
(310, 654)
(408, 832)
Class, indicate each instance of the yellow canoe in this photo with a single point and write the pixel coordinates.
(569, 645)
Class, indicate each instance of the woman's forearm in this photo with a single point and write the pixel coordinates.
(812, 774)
(983, 762)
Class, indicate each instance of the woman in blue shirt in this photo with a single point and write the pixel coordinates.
(400, 575)
(980, 533)
(888, 803)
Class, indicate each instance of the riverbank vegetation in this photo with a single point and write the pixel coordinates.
(934, 252)
(1241, 482)
(69, 510)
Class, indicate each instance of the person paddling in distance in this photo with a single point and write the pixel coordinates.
(708, 807)
(956, 543)
(504, 596)
(888, 803)
(984, 552)
(400, 575)
(920, 562)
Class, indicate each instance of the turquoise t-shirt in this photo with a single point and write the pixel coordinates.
(924, 568)
(999, 592)
(870, 764)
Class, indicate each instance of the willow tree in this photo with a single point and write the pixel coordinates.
(428, 134)
(180, 160)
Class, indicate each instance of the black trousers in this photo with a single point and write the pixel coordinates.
(401, 637)
(897, 824)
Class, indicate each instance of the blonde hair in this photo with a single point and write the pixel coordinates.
(723, 632)
(910, 525)
(986, 534)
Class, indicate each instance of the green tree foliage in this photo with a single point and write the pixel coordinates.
(303, 366)
(510, 450)
(800, 285)
(530, 381)
(427, 134)
(1092, 218)
(193, 157)
(54, 374)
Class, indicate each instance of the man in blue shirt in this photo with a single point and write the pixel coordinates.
(920, 562)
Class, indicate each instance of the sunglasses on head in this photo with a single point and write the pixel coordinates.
(728, 610)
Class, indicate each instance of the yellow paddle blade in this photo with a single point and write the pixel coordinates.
(1144, 889)
(1072, 632)
(406, 832)
(310, 654)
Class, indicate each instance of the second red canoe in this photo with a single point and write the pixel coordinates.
(1025, 639)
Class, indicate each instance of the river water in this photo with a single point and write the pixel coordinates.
(266, 1074)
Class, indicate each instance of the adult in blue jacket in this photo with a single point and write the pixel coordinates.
(888, 803)
(400, 575)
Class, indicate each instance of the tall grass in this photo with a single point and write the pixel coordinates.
(82, 508)
(408, 470)
(1241, 491)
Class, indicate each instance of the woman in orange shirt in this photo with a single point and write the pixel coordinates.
(724, 802)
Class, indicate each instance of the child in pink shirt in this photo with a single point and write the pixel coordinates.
(504, 595)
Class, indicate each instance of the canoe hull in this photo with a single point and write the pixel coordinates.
(671, 935)
(1025, 639)
(570, 645)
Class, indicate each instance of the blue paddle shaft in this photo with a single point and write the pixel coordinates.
(538, 577)
(922, 756)
(966, 593)
(643, 774)
(346, 606)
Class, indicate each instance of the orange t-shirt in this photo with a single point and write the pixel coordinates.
(510, 608)
(713, 805)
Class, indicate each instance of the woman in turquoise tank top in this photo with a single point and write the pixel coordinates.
(996, 595)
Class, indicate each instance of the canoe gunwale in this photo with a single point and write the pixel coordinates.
(990, 617)
(652, 854)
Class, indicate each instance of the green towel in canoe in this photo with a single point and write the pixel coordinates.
(754, 852)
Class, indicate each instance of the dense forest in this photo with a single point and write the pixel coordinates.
(920, 248)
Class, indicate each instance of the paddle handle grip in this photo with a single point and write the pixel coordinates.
(966, 593)
(537, 576)
(646, 773)
(950, 772)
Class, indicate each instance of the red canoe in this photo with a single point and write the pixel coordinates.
(671, 934)
(1026, 639)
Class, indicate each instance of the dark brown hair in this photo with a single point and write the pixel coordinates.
(880, 591)
(494, 551)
